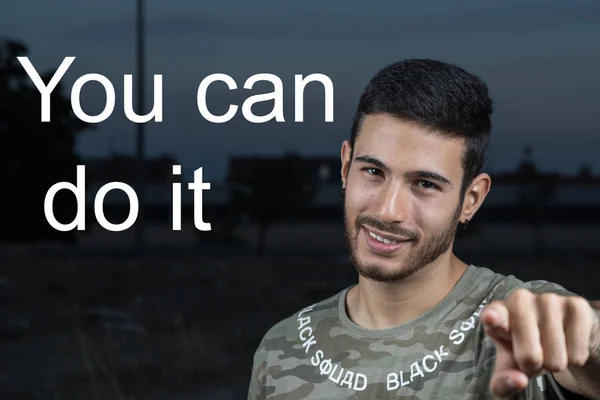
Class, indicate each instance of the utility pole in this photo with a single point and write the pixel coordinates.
(140, 142)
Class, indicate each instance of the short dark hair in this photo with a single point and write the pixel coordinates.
(440, 96)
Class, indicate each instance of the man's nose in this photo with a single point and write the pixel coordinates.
(394, 204)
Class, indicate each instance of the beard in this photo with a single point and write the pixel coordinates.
(424, 250)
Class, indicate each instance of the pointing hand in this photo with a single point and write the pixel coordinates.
(538, 333)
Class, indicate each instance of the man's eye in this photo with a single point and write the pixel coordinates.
(426, 184)
(372, 171)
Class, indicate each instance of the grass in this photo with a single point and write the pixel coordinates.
(132, 328)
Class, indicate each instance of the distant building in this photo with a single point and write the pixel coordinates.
(569, 198)
(158, 180)
(321, 169)
(122, 168)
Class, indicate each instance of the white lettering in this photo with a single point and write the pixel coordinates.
(316, 359)
(307, 309)
(392, 381)
(360, 378)
(435, 364)
(45, 91)
(176, 200)
(415, 371)
(156, 112)
(431, 362)
(302, 332)
(339, 376)
(347, 381)
(99, 206)
(468, 324)
(303, 322)
(402, 382)
(393, 378)
(325, 367)
(276, 96)
(300, 84)
(335, 367)
(440, 353)
(201, 98)
(109, 107)
(197, 186)
(479, 309)
(109, 89)
(311, 341)
(79, 191)
(459, 336)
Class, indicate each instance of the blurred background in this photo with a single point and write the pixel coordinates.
(153, 313)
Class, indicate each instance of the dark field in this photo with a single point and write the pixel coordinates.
(176, 327)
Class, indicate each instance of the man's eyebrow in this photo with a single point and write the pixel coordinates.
(372, 160)
(430, 175)
(418, 174)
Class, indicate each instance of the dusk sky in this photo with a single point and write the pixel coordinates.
(541, 60)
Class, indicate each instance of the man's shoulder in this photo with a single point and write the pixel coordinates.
(299, 326)
(505, 284)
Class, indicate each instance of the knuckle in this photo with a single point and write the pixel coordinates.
(578, 309)
(556, 364)
(579, 359)
(549, 302)
(581, 301)
(550, 298)
(530, 362)
(580, 304)
(521, 301)
(520, 294)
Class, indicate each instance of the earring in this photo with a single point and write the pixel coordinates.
(343, 192)
(464, 225)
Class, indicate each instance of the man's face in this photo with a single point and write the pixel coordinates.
(402, 201)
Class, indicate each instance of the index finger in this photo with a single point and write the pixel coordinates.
(496, 320)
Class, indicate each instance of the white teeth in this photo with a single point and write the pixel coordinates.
(384, 240)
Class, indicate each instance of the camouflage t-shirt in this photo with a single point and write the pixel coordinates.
(319, 353)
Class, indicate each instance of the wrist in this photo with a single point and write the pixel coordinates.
(595, 339)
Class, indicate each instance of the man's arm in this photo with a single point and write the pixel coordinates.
(585, 380)
(544, 332)
(256, 387)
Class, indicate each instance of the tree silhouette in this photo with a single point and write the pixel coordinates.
(34, 155)
(270, 190)
(585, 171)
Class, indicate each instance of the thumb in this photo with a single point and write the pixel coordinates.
(506, 380)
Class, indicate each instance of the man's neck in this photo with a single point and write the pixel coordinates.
(376, 305)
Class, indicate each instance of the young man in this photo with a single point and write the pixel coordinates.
(421, 323)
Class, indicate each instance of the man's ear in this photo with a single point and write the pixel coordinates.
(475, 195)
(346, 158)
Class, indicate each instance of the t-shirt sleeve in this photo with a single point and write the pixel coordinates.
(256, 387)
(541, 286)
